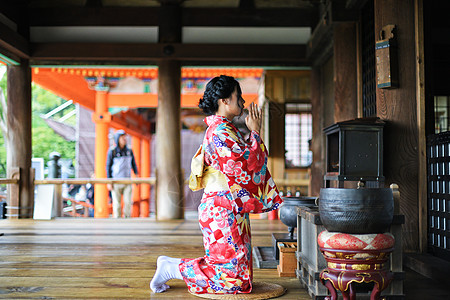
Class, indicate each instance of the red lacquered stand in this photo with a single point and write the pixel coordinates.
(348, 267)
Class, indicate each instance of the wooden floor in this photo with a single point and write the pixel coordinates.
(115, 259)
(107, 259)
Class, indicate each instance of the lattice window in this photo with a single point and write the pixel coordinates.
(438, 148)
(298, 133)
(441, 113)
(368, 62)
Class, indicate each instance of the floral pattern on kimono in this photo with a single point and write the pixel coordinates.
(224, 220)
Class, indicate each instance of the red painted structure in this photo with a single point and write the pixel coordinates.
(98, 89)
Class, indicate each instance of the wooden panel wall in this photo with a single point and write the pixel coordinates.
(281, 87)
(318, 164)
(345, 75)
(398, 108)
(322, 99)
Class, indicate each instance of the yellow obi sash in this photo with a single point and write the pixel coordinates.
(205, 177)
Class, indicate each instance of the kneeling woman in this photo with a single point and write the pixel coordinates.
(236, 182)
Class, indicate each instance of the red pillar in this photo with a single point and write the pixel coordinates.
(145, 172)
(136, 147)
(101, 118)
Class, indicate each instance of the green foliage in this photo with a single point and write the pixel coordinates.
(44, 139)
(2, 157)
(44, 101)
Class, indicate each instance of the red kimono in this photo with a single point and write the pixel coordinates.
(223, 213)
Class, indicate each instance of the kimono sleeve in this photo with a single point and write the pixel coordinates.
(245, 166)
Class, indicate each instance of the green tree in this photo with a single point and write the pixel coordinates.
(44, 139)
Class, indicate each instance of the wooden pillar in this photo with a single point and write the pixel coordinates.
(421, 125)
(19, 137)
(317, 145)
(136, 195)
(145, 172)
(168, 128)
(101, 118)
(398, 107)
(345, 72)
(169, 183)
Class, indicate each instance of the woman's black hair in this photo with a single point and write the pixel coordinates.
(218, 88)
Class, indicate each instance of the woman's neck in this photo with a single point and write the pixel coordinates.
(225, 115)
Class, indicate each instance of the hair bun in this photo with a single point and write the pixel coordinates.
(217, 88)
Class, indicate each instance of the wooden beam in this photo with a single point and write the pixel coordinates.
(355, 4)
(169, 25)
(9, 58)
(12, 10)
(320, 44)
(338, 13)
(93, 16)
(13, 42)
(149, 16)
(132, 123)
(246, 4)
(274, 17)
(153, 52)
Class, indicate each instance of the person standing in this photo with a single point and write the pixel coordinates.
(120, 161)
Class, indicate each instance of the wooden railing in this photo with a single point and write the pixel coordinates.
(14, 207)
(148, 180)
(84, 206)
(292, 185)
(8, 181)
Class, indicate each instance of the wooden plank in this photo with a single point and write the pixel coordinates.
(150, 16)
(94, 269)
(40, 259)
(359, 71)
(345, 87)
(320, 44)
(421, 106)
(421, 124)
(132, 52)
(263, 17)
(399, 108)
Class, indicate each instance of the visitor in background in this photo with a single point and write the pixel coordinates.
(120, 161)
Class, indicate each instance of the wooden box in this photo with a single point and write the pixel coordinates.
(288, 260)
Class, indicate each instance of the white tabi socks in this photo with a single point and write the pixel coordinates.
(167, 268)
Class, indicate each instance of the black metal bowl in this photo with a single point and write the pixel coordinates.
(357, 211)
(288, 211)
